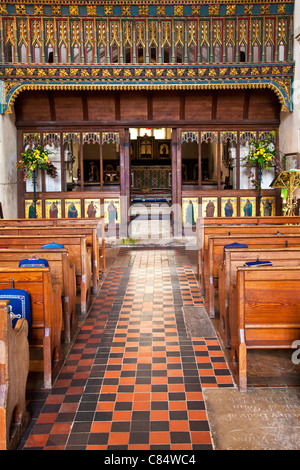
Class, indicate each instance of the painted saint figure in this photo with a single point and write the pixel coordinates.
(72, 211)
(53, 210)
(267, 208)
(91, 210)
(31, 211)
(228, 208)
(210, 209)
(248, 209)
(112, 214)
(190, 218)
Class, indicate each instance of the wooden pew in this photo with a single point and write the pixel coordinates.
(62, 272)
(264, 312)
(90, 234)
(97, 223)
(234, 258)
(254, 220)
(78, 254)
(215, 256)
(14, 367)
(206, 232)
(46, 316)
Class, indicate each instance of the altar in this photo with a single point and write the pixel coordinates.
(154, 177)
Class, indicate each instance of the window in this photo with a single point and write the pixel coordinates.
(230, 52)
(269, 52)
(89, 54)
(256, 52)
(127, 54)
(23, 54)
(76, 54)
(153, 54)
(179, 54)
(204, 53)
(141, 58)
(281, 51)
(102, 55)
(115, 54)
(192, 54)
(166, 54)
(63, 54)
(217, 53)
(37, 54)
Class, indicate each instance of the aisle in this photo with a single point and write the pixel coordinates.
(134, 377)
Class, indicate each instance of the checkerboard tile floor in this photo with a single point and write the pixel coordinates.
(134, 377)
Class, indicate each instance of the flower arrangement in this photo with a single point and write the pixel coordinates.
(34, 158)
(262, 155)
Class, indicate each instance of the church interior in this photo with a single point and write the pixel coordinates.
(150, 227)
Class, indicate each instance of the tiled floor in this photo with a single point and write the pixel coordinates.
(134, 377)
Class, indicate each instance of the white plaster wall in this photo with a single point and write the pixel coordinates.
(8, 171)
(290, 122)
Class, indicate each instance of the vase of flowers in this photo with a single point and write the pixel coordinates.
(33, 159)
(262, 156)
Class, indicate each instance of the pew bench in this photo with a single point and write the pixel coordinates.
(235, 258)
(46, 316)
(264, 313)
(215, 256)
(226, 230)
(90, 234)
(14, 367)
(79, 254)
(97, 223)
(253, 220)
(62, 272)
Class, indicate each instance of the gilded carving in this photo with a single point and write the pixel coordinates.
(213, 10)
(178, 10)
(161, 10)
(20, 9)
(73, 10)
(91, 10)
(56, 9)
(143, 10)
(126, 10)
(108, 10)
(230, 10)
(76, 40)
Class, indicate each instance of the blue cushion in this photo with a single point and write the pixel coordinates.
(258, 263)
(53, 245)
(236, 245)
(33, 263)
(19, 301)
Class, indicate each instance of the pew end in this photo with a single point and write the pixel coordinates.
(263, 312)
(14, 369)
(46, 317)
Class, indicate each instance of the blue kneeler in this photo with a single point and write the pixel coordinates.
(19, 304)
(258, 263)
(53, 246)
(236, 245)
(33, 263)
